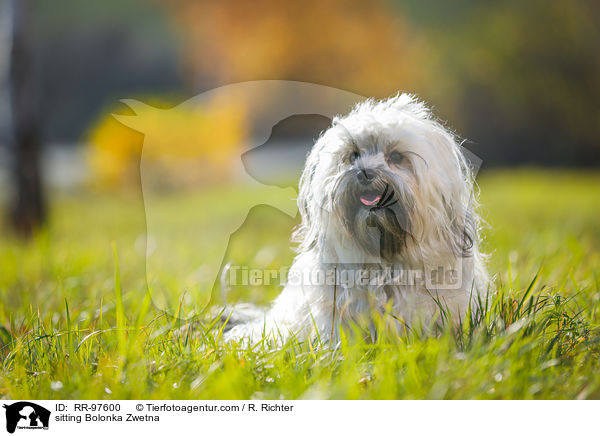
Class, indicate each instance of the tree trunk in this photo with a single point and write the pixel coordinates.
(28, 208)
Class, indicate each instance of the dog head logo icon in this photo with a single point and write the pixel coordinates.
(26, 415)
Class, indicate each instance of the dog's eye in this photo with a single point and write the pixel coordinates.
(353, 157)
(395, 158)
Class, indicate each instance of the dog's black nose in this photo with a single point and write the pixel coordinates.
(365, 176)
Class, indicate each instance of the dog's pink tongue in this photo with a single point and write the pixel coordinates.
(364, 200)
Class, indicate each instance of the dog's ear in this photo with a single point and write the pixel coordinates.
(460, 205)
(452, 215)
(306, 234)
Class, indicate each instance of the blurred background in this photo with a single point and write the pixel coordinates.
(519, 80)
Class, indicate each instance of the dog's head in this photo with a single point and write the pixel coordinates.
(390, 179)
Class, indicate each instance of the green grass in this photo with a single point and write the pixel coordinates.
(76, 322)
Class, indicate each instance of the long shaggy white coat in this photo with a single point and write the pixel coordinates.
(389, 227)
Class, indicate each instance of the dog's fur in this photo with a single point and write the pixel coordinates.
(427, 222)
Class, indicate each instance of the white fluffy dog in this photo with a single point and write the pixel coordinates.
(389, 226)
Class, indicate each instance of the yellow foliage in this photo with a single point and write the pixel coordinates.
(183, 145)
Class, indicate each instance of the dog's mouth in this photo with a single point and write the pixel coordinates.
(378, 198)
(369, 199)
